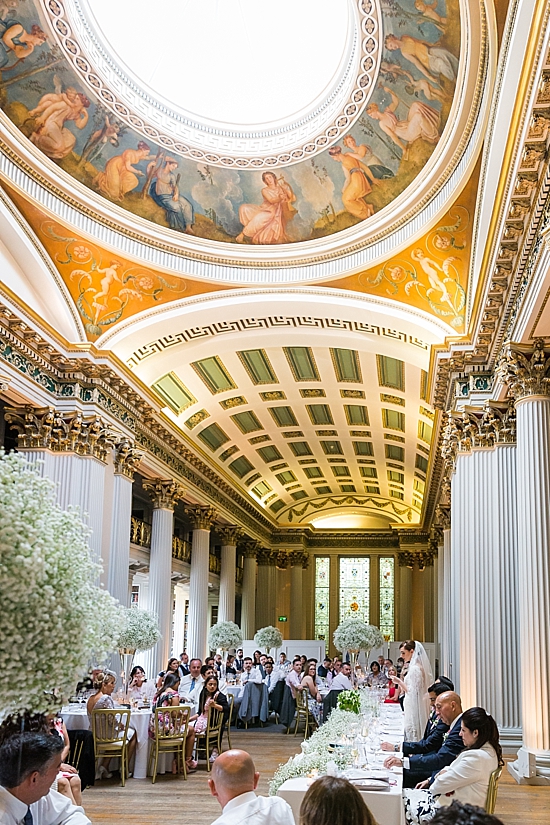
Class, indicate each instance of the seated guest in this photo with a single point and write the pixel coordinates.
(211, 696)
(171, 667)
(400, 665)
(261, 666)
(394, 689)
(434, 731)
(68, 780)
(464, 780)
(168, 696)
(218, 661)
(421, 766)
(336, 666)
(376, 678)
(326, 668)
(256, 658)
(272, 676)
(381, 661)
(303, 659)
(387, 664)
(342, 679)
(188, 683)
(184, 664)
(310, 682)
(458, 814)
(233, 782)
(210, 661)
(230, 668)
(139, 688)
(284, 664)
(102, 700)
(239, 661)
(249, 674)
(334, 801)
(29, 764)
(294, 678)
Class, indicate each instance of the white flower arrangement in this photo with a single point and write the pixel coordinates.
(353, 634)
(268, 637)
(54, 616)
(225, 635)
(139, 629)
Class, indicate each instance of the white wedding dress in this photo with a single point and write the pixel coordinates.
(417, 703)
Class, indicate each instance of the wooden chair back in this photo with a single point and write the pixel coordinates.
(492, 790)
(171, 723)
(110, 726)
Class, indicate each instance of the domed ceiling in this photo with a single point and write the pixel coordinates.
(203, 121)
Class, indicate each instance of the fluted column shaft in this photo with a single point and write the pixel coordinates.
(226, 608)
(533, 497)
(201, 520)
(248, 609)
(266, 603)
(446, 628)
(120, 538)
(296, 601)
(160, 584)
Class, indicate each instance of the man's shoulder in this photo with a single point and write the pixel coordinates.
(263, 810)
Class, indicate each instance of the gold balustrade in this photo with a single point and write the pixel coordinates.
(140, 532)
(181, 549)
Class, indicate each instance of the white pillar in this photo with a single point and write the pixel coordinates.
(248, 603)
(299, 561)
(202, 519)
(164, 494)
(446, 627)
(266, 602)
(181, 594)
(229, 536)
(126, 460)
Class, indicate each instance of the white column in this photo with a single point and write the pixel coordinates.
(299, 562)
(266, 602)
(126, 460)
(445, 605)
(181, 594)
(229, 536)
(164, 494)
(248, 604)
(202, 519)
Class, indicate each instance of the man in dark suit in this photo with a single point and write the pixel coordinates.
(434, 732)
(184, 664)
(420, 766)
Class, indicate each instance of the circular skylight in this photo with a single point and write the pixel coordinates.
(244, 63)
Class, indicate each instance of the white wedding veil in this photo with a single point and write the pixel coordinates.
(420, 658)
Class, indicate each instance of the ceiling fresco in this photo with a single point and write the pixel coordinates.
(396, 123)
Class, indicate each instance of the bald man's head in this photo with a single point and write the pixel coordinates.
(448, 706)
(233, 773)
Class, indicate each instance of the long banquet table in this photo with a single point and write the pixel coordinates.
(385, 806)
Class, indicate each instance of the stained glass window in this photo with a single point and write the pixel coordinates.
(354, 588)
(387, 598)
(322, 574)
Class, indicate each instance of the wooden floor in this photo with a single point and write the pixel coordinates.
(172, 799)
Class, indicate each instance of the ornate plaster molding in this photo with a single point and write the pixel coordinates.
(525, 369)
(477, 428)
(249, 548)
(298, 558)
(266, 557)
(165, 493)
(421, 558)
(126, 458)
(63, 432)
(201, 518)
(229, 534)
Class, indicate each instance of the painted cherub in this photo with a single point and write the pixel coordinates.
(429, 10)
(431, 269)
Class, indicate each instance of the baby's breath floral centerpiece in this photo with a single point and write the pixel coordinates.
(139, 630)
(224, 636)
(267, 638)
(354, 635)
(54, 617)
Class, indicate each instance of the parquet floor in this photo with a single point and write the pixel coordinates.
(180, 802)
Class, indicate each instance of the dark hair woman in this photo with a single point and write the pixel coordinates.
(171, 667)
(168, 694)
(334, 801)
(467, 778)
(210, 697)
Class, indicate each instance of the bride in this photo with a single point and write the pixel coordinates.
(415, 684)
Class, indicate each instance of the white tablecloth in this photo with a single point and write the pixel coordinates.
(139, 721)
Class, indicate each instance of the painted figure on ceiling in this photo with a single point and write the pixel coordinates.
(365, 155)
(422, 122)
(120, 175)
(14, 39)
(357, 185)
(108, 134)
(266, 223)
(164, 190)
(429, 10)
(51, 114)
(428, 58)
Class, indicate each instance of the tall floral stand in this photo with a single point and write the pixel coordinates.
(126, 662)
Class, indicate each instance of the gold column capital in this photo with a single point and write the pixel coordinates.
(525, 369)
(266, 557)
(249, 548)
(165, 493)
(201, 518)
(299, 558)
(126, 458)
(229, 534)
(64, 432)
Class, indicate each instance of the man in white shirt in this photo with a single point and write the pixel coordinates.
(192, 680)
(29, 763)
(271, 676)
(342, 681)
(294, 678)
(233, 781)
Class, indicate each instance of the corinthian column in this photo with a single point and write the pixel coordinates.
(248, 609)
(484, 600)
(299, 562)
(229, 536)
(126, 460)
(266, 604)
(165, 494)
(526, 371)
(72, 450)
(202, 519)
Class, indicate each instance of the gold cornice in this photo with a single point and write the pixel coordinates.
(511, 151)
(305, 261)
